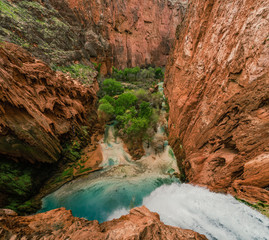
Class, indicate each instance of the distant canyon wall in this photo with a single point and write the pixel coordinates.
(115, 33)
(136, 32)
(217, 87)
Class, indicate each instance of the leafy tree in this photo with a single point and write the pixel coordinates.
(135, 71)
(118, 74)
(111, 87)
(124, 102)
(142, 95)
(106, 108)
(107, 99)
(105, 112)
(126, 73)
(137, 127)
(156, 100)
(159, 73)
(145, 110)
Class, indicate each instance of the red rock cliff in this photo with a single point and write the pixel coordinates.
(137, 32)
(140, 223)
(217, 85)
(38, 106)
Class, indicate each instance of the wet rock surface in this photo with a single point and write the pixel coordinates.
(140, 223)
(217, 85)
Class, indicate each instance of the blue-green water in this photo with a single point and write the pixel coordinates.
(101, 197)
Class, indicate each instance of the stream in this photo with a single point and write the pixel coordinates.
(151, 181)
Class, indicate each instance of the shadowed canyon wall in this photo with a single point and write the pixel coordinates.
(114, 33)
(137, 32)
(217, 85)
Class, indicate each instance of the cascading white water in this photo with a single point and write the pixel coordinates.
(218, 216)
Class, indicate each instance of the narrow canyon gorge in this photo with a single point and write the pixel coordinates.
(134, 119)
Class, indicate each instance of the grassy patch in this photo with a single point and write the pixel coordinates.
(77, 71)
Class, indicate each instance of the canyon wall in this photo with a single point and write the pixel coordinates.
(138, 32)
(41, 111)
(217, 87)
(114, 33)
(39, 107)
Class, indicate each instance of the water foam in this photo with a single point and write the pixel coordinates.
(218, 216)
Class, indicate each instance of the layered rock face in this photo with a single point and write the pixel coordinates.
(138, 32)
(39, 107)
(217, 85)
(140, 223)
(114, 33)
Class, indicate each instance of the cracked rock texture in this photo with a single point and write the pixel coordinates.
(217, 85)
(140, 223)
(39, 107)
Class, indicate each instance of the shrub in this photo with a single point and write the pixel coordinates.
(105, 111)
(159, 73)
(137, 127)
(107, 99)
(111, 87)
(106, 108)
(142, 95)
(78, 71)
(156, 100)
(145, 110)
(124, 102)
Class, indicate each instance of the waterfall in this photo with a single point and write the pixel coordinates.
(216, 215)
(124, 183)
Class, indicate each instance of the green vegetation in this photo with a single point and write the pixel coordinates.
(111, 87)
(18, 182)
(78, 71)
(139, 77)
(71, 157)
(135, 111)
(38, 29)
(136, 73)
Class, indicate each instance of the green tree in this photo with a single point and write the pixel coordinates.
(105, 112)
(145, 110)
(111, 87)
(124, 102)
(159, 73)
(126, 73)
(137, 127)
(135, 71)
(107, 99)
(142, 95)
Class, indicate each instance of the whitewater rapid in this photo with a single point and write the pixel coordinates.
(216, 215)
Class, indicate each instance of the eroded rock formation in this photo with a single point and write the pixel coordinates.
(39, 107)
(140, 223)
(217, 85)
